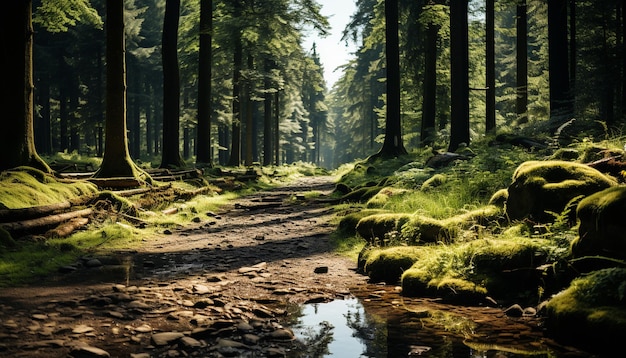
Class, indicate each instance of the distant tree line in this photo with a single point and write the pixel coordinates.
(471, 69)
(229, 83)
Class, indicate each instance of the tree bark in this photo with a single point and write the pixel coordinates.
(203, 145)
(267, 116)
(392, 145)
(459, 68)
(429, 105)
(249, 118)
(170, 153)
(561, 101)
(17, 139)
(490, 116)
(521, 101)
(116, 161)
(235, 150)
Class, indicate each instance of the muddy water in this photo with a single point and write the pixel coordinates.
(382, 323)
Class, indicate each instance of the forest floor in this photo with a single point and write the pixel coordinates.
(218, 287)
(224, 286)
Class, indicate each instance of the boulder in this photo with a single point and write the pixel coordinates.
(602, 230)
(541, 187)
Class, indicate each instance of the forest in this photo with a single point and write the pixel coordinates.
(471, 154)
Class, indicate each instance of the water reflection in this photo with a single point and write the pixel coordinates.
(380, 328)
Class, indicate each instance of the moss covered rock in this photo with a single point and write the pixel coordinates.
(347, 224)
(433, 182)
(360, 195)
(591, 312)
(602, 229)
(499, 198)
(469, 271)
(426, 229)
(387, 264)
(539, 187)
(383, 196)
(377, 226)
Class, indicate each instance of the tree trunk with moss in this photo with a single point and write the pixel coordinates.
(17, 139)
(116, 161)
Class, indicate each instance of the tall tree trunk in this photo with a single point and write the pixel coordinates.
(249, 106)
(521, 101)
(277, 128)
(44, 134)
(490, 67)
(17, 138)
(148, 108)
(267, 116)
(235, 150)
(203, 143)
(116, 161)
(170, 154)
(561, 101)
(459, 68)
(392, 145)
(429, 105)
(623, 64)
(573, 48)
(135, 118)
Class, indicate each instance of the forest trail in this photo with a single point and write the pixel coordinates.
(191, 289)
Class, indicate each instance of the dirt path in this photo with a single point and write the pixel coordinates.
(215, 288)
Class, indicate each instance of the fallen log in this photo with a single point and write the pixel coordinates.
(131, 192)
(67, 228)
(9, 215)
(32, 224)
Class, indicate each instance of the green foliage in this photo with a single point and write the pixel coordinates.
(59, 15)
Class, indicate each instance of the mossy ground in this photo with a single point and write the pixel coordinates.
(27, 259)
(466, 242)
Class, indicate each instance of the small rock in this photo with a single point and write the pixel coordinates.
(321, 269)
(166, 338)
(67, 269)
(40, 317)
(281, 335)
(201, 289)
(80, 329)
(251, 339)
(140, 355)
(93, 263)
(88, 352)
(144, 328)
(196, 219)
(189, 342)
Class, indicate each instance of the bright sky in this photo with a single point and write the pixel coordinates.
(331, 50)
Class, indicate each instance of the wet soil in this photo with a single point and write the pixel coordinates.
(222, 287)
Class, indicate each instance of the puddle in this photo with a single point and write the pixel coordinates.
(347, 328)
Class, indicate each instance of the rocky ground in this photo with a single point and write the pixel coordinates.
(223, 286)
(216, 288)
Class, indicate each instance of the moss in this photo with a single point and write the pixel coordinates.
(499, 198)
(502, 268)
(119, 203)
(388, 264)
(383, 196)
(26, 187)
(6, 240)
(602, 230)
(377, 226)
(342, 188)
(565, 154)
(347, 224)
(434, 182)
(360, 195)
(540, 187)
(427, 229)
(591, 312)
